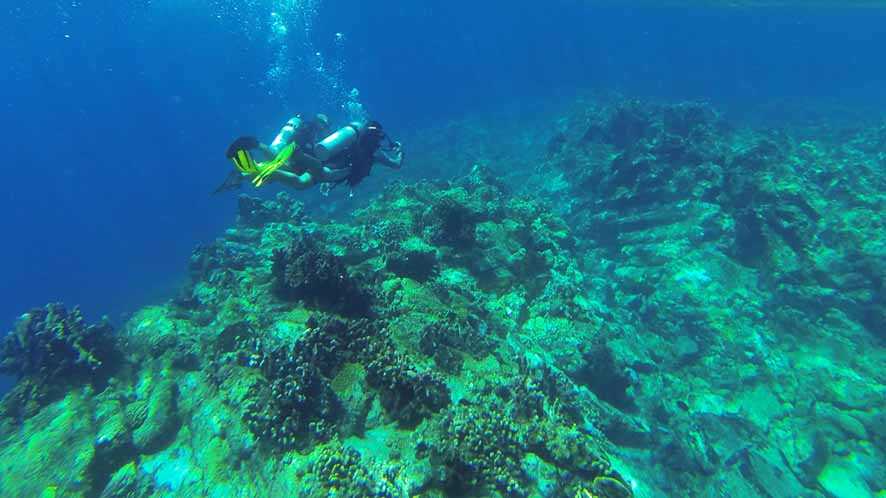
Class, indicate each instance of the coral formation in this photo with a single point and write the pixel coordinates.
(292, 403)
(254, 213)
(53, 345)
(481, 445)
(342, 472)
(51, 350)
(307, 272)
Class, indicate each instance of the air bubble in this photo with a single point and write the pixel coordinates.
(296, 58)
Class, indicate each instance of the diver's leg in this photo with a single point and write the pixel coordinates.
(299, 182)
(310, 164)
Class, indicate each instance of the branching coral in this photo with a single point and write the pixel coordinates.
(51, 350)
(255, 212)
(448, 338)
(293, 405)
(451, 223)
(306, 271)
(341, 471)
(481, 446)
(413, 258)
(51, 344)
(628, 124)
(408, 392)
(485, 443)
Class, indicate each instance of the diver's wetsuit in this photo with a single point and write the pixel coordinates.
(366, 152)
(361, 158)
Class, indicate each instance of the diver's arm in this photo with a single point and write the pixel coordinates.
(307, 179)
(296, 181)
(392, 158)
(306, 162)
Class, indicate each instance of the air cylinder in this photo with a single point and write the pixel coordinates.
(334, 144)
(285, 136)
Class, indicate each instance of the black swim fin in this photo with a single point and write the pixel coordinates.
(233, 181)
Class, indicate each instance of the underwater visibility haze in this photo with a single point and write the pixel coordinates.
(634, 249)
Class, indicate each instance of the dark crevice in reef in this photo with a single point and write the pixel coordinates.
(603, 376)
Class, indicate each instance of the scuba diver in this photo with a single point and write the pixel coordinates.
(295, 157)
(357, 147)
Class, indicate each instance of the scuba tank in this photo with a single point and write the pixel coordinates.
(332, 145)
(285, 136)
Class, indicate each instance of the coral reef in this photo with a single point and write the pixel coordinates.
(53, 345)
(448, 340)
(254, 213)
(292, 403)
(51, 350)
(519, 438)
(624, 299)
(341, 471)
(307, 272)
(731, 256)
(481, 445)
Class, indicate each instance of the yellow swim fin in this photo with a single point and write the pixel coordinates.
(244, 162)
(266, 169)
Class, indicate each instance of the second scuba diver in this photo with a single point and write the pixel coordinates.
(299, 159)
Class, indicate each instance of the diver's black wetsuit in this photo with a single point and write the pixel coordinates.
(362, 155)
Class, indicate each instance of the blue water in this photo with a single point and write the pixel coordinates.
(116, 114)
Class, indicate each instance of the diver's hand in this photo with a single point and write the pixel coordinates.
(398, 154)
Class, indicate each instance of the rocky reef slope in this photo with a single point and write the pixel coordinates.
(660, 304)
(751, 266)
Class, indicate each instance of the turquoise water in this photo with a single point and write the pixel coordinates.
(703, 231)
